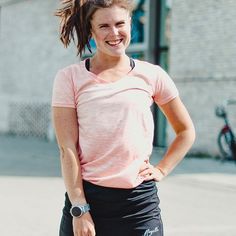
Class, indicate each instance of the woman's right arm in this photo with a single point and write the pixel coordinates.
(66, 129)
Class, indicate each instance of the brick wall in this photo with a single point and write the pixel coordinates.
(202, 63)
(30, 55)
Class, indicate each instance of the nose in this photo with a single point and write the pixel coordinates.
(114, 30)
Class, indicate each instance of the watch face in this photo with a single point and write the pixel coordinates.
(76, 211)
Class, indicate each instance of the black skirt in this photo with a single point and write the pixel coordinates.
(119, 212)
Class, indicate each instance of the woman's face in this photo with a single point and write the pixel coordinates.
(111, 30)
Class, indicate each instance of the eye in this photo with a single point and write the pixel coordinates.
(103, 26)
(121, 23)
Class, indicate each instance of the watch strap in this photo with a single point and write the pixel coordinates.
(85, 207)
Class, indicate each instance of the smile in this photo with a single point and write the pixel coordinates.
(114, 42)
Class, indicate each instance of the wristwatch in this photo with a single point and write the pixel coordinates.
(79, 210)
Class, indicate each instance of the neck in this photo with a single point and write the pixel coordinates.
(106, 61)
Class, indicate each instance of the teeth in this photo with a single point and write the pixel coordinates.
(115, 42)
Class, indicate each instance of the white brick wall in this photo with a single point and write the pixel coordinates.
(30, 53)
(202, 62)
(203, 39)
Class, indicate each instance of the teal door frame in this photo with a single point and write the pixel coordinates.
(161, 58)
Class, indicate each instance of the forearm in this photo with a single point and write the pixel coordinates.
(176, 151)
(71, 172)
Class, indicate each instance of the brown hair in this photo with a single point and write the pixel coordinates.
(76, 16)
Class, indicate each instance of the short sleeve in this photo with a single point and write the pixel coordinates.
(165, 89)
(63, 94)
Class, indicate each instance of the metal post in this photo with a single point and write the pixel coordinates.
(161, 56)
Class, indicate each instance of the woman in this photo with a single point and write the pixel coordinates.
(104, 126)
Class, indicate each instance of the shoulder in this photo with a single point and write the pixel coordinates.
(67, 82)
(74, 74)
(148, 69)
(151, 73)
(71, 70)
(162, 85)
(144, 65)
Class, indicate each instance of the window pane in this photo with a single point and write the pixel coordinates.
(137, 55)
(139, 18)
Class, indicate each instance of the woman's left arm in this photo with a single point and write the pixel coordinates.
(178, 117)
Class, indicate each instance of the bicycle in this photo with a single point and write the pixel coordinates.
(226, 138)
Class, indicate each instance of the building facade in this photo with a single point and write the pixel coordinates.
(202, 62)
(30, 55)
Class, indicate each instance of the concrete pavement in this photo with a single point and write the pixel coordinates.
(197, 199)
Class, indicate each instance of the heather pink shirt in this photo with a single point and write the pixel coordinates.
(115, 119)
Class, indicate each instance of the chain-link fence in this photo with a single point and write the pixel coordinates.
(30, 119)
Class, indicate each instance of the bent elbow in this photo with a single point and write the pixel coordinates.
(67, 149)
(61, 151)
(192, 135)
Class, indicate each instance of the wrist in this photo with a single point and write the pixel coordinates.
(79, 210)
(162, 170)
(77, 199)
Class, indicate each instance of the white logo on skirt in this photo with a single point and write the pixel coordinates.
(149, 232)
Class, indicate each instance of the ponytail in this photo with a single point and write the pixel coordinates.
(73, 20)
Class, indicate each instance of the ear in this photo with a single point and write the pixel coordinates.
(92, 34)
(130, 20)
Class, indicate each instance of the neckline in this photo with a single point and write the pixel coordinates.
(86, 64)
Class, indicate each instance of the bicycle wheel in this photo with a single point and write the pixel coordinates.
(225, 141)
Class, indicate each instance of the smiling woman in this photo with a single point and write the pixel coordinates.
(104, 126)
(111, 34)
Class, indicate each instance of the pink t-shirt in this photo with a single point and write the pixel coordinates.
(115, 119)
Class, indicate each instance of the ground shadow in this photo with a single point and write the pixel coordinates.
(28, 156)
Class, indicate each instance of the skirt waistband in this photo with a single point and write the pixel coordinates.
(145, 189)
